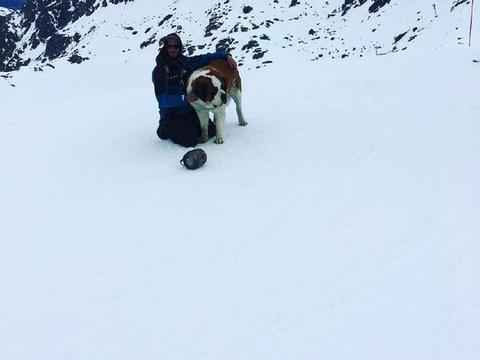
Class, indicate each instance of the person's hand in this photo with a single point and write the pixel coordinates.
(191, 97)
(232, 63)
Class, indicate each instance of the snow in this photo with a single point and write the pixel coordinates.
(5, 11)
(341, 223)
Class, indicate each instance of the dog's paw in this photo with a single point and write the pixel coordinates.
(218, 140)
(242, 123)
(203, 139)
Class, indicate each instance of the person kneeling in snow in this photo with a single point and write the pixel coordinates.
(178, 120)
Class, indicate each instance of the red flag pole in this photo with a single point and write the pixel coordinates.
(471, 24)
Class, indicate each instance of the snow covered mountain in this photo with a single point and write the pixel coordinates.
(4, 12)
(45, 30)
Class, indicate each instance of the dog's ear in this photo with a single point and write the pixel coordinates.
(213, 92)
(224, 98)
(224, 84)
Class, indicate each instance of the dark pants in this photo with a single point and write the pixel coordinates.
(182, 126)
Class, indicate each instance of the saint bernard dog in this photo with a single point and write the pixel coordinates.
(213, 84)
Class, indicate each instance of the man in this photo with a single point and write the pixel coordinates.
(178, 119)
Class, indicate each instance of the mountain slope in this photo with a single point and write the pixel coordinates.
(4, 12)
(46, 30)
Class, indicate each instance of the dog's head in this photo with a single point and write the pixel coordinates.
(204, 89)
(209, 89)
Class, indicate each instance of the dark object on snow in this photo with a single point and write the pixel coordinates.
(476, 61)
(194, 159)
(182, 126)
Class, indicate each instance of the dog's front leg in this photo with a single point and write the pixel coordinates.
(219, 122)
(203, 117)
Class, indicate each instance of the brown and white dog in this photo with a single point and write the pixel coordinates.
(213, 84)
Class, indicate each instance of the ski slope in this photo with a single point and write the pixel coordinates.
(341, 223)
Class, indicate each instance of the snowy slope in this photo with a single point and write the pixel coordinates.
(341, 223)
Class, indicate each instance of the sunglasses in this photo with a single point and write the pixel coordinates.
(172, 46)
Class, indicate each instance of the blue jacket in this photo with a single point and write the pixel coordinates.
(170, 78)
